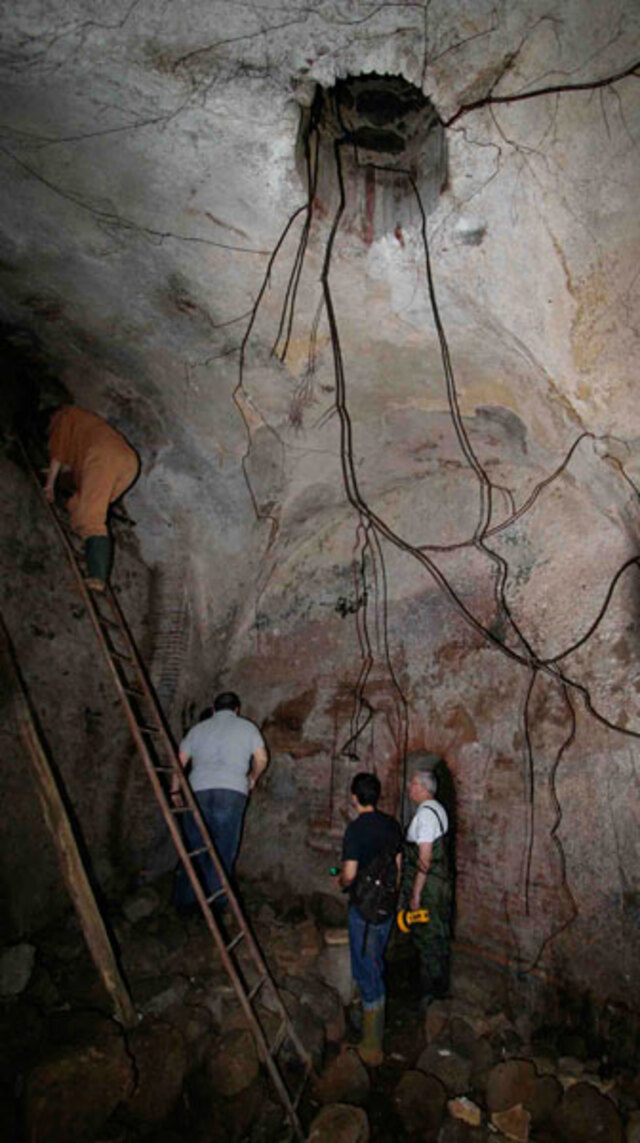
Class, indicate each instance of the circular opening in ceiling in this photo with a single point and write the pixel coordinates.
(385, 117)
(380, 141)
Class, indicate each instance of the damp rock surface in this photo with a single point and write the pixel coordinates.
(73, 1092)
(16, 966)
(584, 1116)
(193, 1070)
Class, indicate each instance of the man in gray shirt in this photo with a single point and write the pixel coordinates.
(226, 755)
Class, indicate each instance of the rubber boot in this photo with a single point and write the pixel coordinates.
(370, 1047)
(97, 550)
(354, 1021)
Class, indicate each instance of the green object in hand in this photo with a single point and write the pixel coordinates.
(335, 869)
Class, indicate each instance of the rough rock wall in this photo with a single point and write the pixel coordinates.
(344, 514)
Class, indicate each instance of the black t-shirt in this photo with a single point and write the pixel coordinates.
(369, 834)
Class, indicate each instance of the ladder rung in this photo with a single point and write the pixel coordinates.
(149, 729)
(104, 621)
(279, 1039)
(214, 896)
(236, 940)
(180, 809)
(120, 655)
(165, 769)
(136, 691)
(257, 986)
(196, 852)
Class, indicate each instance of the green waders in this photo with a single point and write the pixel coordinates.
(97, 550)
(431, 938)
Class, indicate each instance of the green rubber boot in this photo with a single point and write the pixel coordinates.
(370, 1047)
(97, 550)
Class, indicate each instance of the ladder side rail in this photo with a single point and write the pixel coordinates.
(277, 1001)
(133, 723)
(129, 713)
(138, 666)
(186, 791)
(124, 631)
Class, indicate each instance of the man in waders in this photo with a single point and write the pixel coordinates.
(427, 884)
(103, 466)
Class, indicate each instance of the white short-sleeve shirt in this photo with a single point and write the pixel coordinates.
(220, 749)
(429, 822)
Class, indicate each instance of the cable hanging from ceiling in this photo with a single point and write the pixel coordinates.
(372, 530)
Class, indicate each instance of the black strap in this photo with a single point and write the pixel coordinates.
(434, 811)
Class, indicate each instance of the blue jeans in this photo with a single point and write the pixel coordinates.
(367, 968)
(223, 812)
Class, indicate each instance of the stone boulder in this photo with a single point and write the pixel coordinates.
(481, 1064)
(72, 1092)
(464, 1033)
(506, 1042)
(141, 904)
(586, 1116)
(344, 1080)
(322, 1000)
(339, 1123)
(329, 909)
(633, 1128)
(196, 1025)
(22, 1031)
(514, 1123)
(307, 1024)
(233, 1065)
(154, 994)
(510, 1084)
(160, 1057)
(437, 1019)
(420, 1102)
(143, 956)
(231, 1120)
(453, 1070)
(334, 967)
(547, 1096)
(465, 1110)
(456, 1131)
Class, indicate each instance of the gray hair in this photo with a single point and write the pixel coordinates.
(427, 779)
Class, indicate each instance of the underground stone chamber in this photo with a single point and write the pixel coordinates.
(388, 435)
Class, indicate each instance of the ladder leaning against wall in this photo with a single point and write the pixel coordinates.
(240, 954)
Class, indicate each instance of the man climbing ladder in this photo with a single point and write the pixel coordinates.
(103, 466)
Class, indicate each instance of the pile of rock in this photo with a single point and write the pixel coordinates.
(190, 1070)
(464, 1088)
(68, 1071)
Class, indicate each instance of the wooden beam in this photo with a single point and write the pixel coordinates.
(49, 792)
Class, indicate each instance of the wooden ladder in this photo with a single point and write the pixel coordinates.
(250, 977)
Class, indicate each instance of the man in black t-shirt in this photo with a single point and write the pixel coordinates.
(371, 833)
